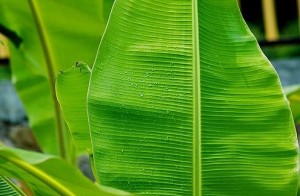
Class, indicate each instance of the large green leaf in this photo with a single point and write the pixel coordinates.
(71, 91)
(48, 36)
(183, 102)
(7, 188)
(47, 174)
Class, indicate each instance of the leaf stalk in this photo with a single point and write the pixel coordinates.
(50, 64)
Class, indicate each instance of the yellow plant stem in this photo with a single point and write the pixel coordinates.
(270, 20)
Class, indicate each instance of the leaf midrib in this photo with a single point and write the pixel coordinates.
(197, 182)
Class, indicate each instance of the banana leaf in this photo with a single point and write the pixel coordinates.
(7, 188)
(45, 37)
(182, 101)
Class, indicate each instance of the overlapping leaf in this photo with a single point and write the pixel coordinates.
(71, 91)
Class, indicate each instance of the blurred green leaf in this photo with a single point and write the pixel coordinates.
(57, 31)
(182, 101)
(293, 95)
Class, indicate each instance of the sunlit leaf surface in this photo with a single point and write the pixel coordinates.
(183, 102)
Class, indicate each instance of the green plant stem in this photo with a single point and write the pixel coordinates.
(50, 63)
(13, 186)
(197, 178)
(39, 174)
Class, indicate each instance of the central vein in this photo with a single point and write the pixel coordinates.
(197, 179)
